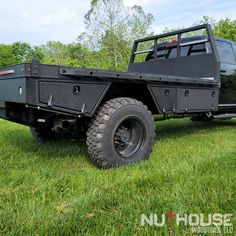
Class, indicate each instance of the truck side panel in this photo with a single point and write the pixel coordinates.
(71, 96)
(13, 84)
(172, 99)
(13, 90)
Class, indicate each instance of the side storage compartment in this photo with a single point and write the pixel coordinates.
(13, 84)
(165, 98)
(197, 100)
(185, 99)
(72, 97)
(13, 90)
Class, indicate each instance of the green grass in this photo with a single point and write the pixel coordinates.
(53, 189)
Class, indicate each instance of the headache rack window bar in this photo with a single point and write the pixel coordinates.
(193, 42)
(196, 42)
(144, 51)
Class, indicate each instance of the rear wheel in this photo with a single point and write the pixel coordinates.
(201, 118)
(43, 135)
(122, 132)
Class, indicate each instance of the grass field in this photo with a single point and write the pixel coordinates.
(53, 189)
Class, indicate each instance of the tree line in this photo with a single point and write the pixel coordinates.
(111, 28)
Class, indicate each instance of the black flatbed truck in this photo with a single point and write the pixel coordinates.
(116, 110)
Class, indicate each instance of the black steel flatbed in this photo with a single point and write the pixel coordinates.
(174, 79)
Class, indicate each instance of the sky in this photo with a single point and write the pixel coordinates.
(37, 22)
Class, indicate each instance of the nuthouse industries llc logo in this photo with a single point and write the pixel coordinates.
(199, 223)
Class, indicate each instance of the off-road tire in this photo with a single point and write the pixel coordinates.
(102, 133)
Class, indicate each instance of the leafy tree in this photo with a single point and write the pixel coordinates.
(37, 51)
(139, 23)
(111, 28)
(78, 55)
(20, 51)
(224, 28)
(55, 53)
(115, 51)
(15, 53)
(6, 55)
(103, 16)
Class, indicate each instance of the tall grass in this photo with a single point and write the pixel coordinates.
(53, 189)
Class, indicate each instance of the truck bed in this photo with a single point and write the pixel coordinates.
(68, 89)
(179, 85)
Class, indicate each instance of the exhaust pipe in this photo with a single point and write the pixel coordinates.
(224, 116)
(63, 124)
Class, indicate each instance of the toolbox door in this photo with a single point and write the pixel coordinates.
(82, 97)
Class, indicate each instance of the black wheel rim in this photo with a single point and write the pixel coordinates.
(129, 137)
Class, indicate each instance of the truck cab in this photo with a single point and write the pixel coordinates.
(227, 53)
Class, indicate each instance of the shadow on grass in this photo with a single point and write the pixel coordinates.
(180, 128)
(23, 142)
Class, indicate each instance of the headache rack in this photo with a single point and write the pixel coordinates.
(203, 64)
(178, 38)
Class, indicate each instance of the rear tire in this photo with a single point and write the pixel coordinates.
(201, 118)
(122, 132)
(43, 135)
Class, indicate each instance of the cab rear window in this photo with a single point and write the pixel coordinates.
(234, 50)
(169, 51)
(226, 52)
